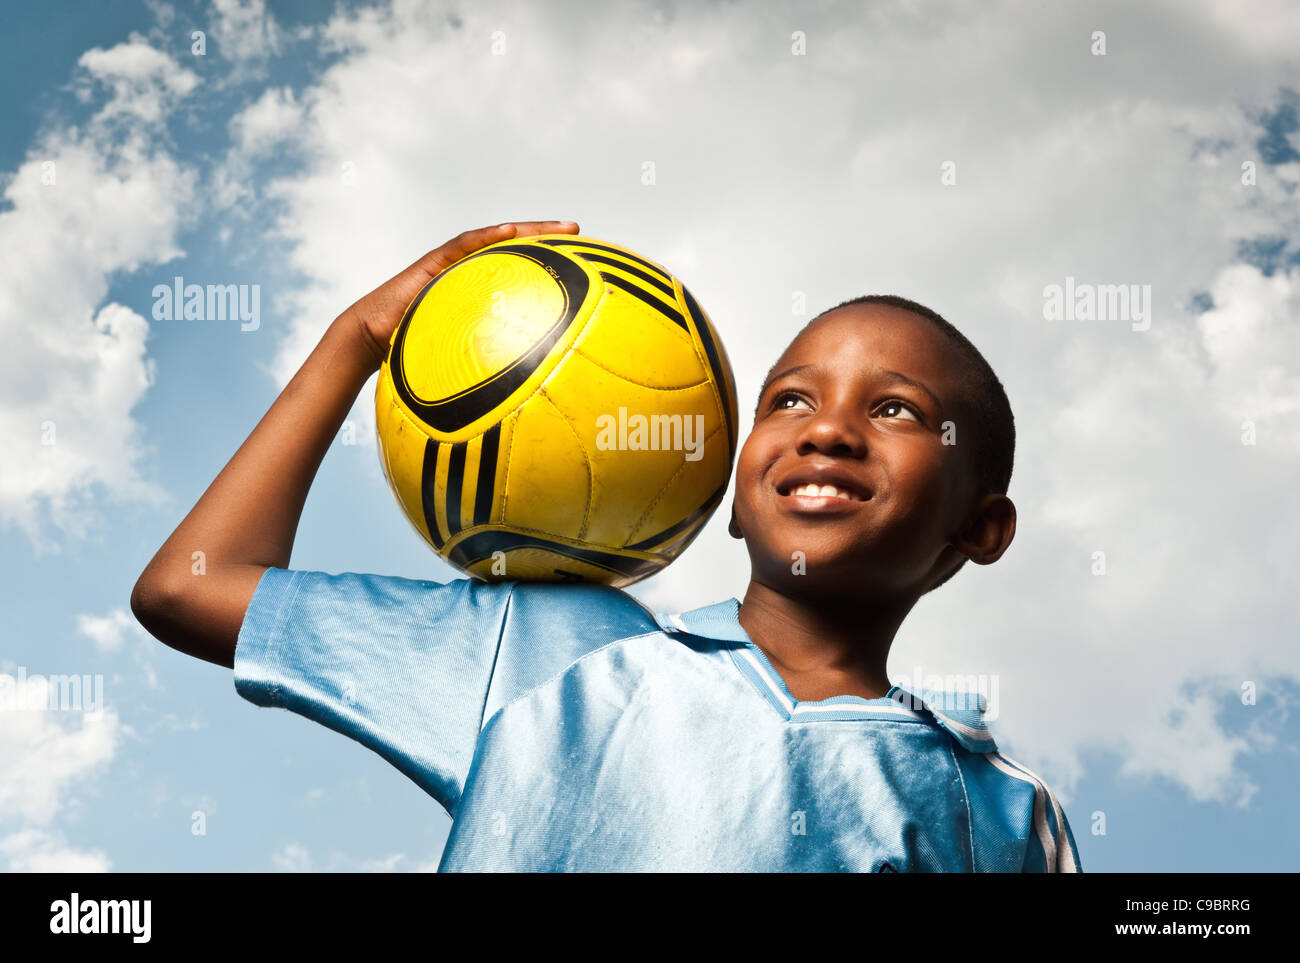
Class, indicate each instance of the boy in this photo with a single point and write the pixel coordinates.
(566, 727)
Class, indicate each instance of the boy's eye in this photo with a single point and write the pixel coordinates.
(777, 404)
(899, 407)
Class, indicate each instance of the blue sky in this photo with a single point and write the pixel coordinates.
(777, 174)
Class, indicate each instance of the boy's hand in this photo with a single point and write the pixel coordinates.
(378, 314)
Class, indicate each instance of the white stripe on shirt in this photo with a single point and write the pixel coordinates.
(1041, 827)
(1064, 854)
(767, 679)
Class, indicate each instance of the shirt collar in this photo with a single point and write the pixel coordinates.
(959, 713)
(718, 621)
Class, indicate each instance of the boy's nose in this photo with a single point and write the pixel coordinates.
(833, 431)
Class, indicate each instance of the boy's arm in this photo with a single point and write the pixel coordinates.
(246, 520)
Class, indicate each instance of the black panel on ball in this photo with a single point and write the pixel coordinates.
(458, 410)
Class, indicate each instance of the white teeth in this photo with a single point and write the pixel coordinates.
(822, 491)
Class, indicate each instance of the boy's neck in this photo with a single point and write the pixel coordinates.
(823, 649)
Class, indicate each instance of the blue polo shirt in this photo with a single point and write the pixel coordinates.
(569, 728)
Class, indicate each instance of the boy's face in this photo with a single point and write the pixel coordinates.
(847, 405)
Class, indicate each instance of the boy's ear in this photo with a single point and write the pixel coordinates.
(989, 533)
(733, 526)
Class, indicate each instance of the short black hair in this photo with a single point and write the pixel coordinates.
(994, 430)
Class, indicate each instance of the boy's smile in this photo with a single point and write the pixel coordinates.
(852, 460)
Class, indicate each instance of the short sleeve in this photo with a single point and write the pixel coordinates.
(402, 666)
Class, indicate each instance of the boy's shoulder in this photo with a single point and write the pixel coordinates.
(548, 627)
(999, 790)
(582, 610)
(591, 613)
(961, 713)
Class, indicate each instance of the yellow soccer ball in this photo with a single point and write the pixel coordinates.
(556, 408)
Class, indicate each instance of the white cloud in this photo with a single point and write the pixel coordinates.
(296, 858)
(87, 205)
(382, 864)
(144, 82)
(106, 631)
(268, 121)
(291, 858)
(1268, 28)
(266, 128)
(244, 31)
(163, 13)
(111, 632)
(1251, 339)
(47, 754)
(34, 851)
